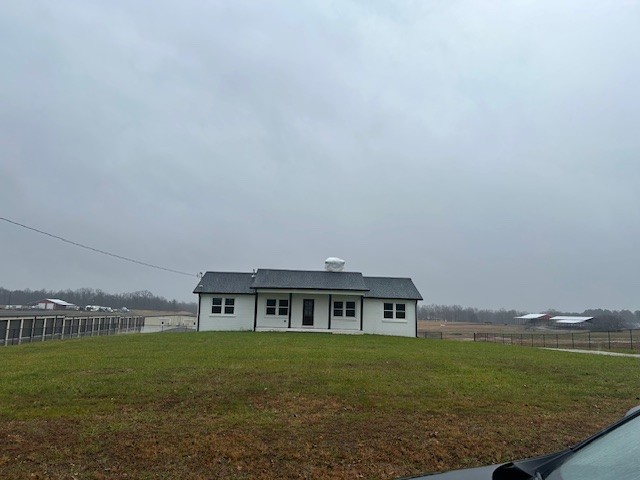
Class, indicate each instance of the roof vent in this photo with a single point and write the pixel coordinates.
(334, 264)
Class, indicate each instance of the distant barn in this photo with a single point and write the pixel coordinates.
(571, 322)
(55, 304)
(530, 318)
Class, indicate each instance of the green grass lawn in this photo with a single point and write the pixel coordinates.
(285, 405)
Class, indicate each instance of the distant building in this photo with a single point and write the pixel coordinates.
(55, 304)
(532, 318)
(567, 321)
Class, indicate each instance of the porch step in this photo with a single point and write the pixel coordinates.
(310, 330)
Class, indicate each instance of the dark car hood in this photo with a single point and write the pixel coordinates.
(478, 473)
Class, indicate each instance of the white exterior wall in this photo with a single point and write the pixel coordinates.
(372, 310)
(320, 310)
(346, 323)
(374, 321)
(271, 321)
(242, 318)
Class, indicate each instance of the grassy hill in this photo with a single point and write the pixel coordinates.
(284, 405)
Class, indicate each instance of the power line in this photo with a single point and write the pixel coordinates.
(97, 250)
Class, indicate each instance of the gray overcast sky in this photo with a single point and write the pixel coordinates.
(487, 149)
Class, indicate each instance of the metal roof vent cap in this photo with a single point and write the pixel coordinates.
(334, 264)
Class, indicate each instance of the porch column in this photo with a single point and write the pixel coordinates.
(255, 311)
(361, 311)
(290, 307)
(330, 307)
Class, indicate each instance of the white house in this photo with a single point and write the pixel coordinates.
(303, 300)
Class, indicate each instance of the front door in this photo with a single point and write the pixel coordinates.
(307, 312)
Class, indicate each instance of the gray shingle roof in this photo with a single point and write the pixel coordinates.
(307, 279)
(246, 283)
(387, 287)
(225, 282)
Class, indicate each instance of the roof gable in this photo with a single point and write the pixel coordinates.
(389, 287)
(309, 279)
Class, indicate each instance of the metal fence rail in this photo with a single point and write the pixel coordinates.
(39, 328)
(628, 340)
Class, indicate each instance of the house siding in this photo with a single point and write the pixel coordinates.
(344, 322)
(320, 310)
(374, 321)
(242, 318)
(271, 321)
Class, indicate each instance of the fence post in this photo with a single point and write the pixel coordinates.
(572, 342)
(532, 339)
(544, 340)
(20, 331)
(609, 335)
(631, 338)
(589, 332)
(557, 344)
(33, 329)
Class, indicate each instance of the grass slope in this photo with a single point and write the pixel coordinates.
(283, 405)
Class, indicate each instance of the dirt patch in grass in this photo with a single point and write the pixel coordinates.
(298, 438)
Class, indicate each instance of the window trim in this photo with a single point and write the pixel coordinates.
(345, 310)
(394, 314)
(226, 303)
(279, 306)
(353, 309)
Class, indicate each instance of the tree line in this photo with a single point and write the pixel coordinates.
(456, 313)
(140, 300)
(603, 318)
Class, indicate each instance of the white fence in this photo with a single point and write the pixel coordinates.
(170, 323)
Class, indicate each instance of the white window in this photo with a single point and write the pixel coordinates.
(222, 304)
(344, 309)
(281, 307)
(350, 309)
(400, 310)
